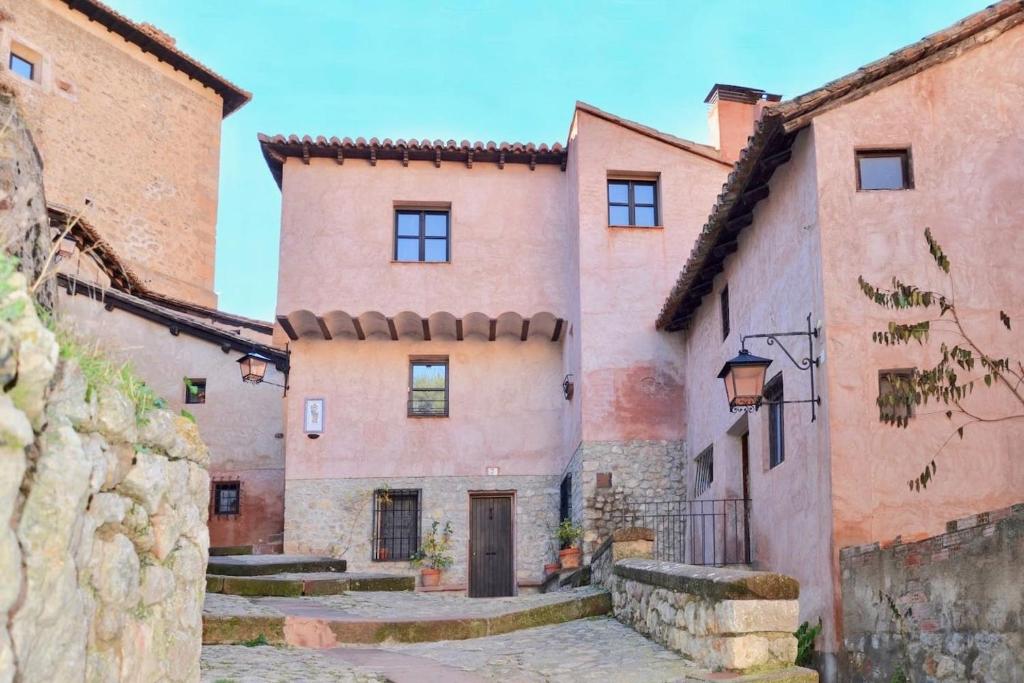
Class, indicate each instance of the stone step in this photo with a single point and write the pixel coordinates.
(306, 584)
(262, 565)
(366, 618)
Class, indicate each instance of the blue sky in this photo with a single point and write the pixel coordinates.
(486, 70)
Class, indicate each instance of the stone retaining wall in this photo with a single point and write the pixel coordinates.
(946, 608)
(722, 619)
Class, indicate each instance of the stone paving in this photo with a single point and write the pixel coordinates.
(598, 649)
(389, 605)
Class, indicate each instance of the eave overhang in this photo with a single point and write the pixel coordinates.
(407, 325)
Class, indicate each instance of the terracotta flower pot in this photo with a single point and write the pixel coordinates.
(570, 558)
(430, 577)
(551, 568)
(383, 554)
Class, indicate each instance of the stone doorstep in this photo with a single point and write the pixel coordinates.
(324, 583)
(262, 565)
(791, 674)
(315, 631)
(225, 550)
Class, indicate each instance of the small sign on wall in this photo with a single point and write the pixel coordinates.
(313, 418)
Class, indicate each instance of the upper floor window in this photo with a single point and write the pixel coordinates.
(895, 402)
(705, 474)
(226, 498)
(22, 66)
(633, 203)
(884, 169)
(195, 390)
(724, 302)
(428, 388)
(773, 396)
(421, 236)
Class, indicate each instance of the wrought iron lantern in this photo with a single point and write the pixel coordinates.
(254, 367)
(744, 375)
(744, 380)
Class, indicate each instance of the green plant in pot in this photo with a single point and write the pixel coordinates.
(434, 556)
(569, 535)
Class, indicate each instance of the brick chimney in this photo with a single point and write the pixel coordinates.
(731, 117)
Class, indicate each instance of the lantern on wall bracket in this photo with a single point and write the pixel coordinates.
(744, 375)
(253, 367)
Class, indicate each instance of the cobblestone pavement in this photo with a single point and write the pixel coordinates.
(390, 605)
(598, 649)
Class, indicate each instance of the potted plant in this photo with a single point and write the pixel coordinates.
(568, 535)
(434, 556)
(551, 568)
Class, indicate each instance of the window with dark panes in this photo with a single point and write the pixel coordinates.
(195, 390)
(396, 524)
(705, 470)
(428, 388)
(894, 401)
(887, 169)
(565, 499)
(421, 236)
(633, 203)
(226, 499)
(22, 66)
(724, 301)
(773, 396)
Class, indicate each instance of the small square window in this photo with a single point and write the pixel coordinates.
(724, 301)
(774, 397)
(896, 396)
(22, 66)
(633, 203)
(886, 169)
(226, 498)
(396, 524)
(195, 390)
(422, 236)
(428, 388)
(705, 470)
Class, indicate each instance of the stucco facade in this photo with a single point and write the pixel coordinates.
(539, 289)
(125, 132)
(843, 481)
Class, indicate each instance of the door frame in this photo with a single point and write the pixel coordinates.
(498, 493)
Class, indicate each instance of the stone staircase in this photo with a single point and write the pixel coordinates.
(293, 576)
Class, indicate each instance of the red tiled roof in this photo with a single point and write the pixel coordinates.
(277, 147)
(705, 151)
(160, 45)
(770, 145)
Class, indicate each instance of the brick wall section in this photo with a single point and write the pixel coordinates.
(959, 595)
(139, 139)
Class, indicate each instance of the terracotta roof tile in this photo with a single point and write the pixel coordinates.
(278, 147)
(769, 146)
(151, 39)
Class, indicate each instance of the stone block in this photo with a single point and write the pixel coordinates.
(146, 481)
(755, 616)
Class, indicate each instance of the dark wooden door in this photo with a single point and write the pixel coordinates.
(490, 547)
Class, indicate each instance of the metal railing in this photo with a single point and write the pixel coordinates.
(713, 532)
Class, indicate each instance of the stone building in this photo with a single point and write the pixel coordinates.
(838, 183)
(476, 326)
(110, 102)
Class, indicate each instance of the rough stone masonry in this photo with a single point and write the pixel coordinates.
(103, 506)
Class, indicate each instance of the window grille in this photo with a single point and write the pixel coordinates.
(226, 498)
(396, 524)
(705, 470)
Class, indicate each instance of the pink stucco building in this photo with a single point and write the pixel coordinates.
(472, 325)
(805, 212)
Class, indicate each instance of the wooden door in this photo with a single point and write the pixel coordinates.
(490, 546)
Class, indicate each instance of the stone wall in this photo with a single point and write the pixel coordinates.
(103, 539)
(946, 608)
(640, 471)
(722, 619)
(335, 517)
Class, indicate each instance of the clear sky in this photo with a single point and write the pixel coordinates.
(487, 70)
